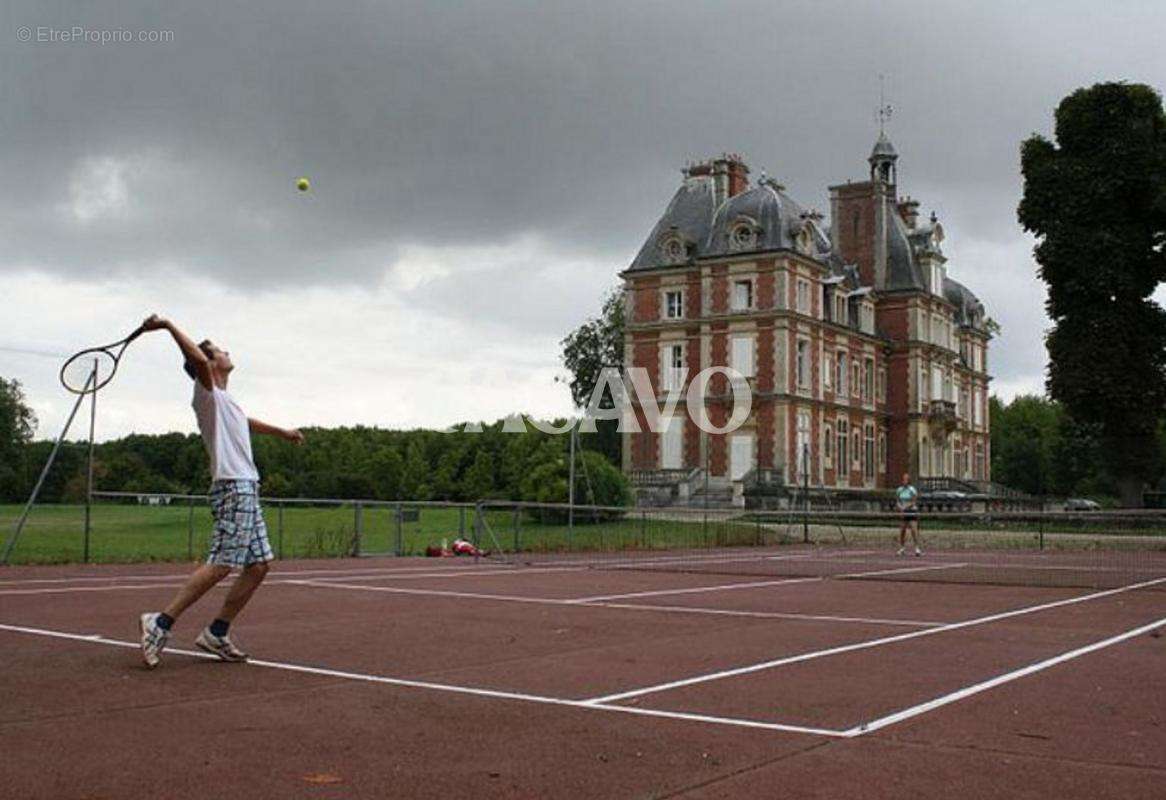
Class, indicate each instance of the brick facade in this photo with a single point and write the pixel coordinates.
(840, 339)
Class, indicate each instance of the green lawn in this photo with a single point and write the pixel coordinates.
(125, 533)
(179, 532)
(121, 533)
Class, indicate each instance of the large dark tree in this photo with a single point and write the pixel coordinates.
(594, 345)
(1096, 200)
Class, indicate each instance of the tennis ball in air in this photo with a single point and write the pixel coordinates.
(302, 184)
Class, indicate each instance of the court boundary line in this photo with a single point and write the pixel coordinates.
(445, 687)
(457, 569)
(999, 680)
(864, 645)
(723, 587)
(320, 583)
(902, 570)
(861, 729)
(569, 602)
(790, 615)
(758, 584)
(583, 564)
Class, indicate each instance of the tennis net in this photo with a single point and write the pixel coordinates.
(1056, 549)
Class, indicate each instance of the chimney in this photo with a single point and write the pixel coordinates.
(738, 175)
(909, 211)
(729, 174)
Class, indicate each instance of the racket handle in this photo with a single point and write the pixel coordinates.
(140, 330)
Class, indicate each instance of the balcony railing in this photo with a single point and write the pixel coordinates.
(658, 477)
(766, 476)
(942, 414)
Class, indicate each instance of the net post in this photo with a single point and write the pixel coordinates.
(399, 544)
(477, 525)
(89, 476)
(515, 523)
(190, 529)
(461, 522)
(571, 491)
(643, 528)
(279, 526)
(357, 527)
(806, 491)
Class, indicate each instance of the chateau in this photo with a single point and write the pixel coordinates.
(864, 359)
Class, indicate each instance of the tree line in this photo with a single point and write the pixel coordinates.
(350, 463)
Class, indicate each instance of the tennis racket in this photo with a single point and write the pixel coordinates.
(77, 374)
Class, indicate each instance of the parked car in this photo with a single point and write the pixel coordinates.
(944, 500)
(1081, 504)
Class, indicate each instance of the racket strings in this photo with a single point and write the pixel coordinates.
(78, 373)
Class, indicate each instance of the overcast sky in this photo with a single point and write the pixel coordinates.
(481, 172)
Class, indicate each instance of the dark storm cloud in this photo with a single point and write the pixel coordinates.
(476, 122)
(462, 126)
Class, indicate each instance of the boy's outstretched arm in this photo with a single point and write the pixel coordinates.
(291, 434)
(190, 350)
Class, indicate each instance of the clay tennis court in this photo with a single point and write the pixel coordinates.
(449, 678)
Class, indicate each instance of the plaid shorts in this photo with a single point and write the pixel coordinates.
(240, 534)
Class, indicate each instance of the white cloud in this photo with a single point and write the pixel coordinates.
(305, 355)
(98, 190)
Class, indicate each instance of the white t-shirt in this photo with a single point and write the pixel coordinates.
(226, 434)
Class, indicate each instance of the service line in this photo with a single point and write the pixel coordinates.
(865, 645)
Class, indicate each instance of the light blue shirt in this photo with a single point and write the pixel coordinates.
(906, 495)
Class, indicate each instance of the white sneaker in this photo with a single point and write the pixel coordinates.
(220, 646)
(900, 551)
(153, 639)
(918, 552)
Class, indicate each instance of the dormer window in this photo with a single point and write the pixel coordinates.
(742, 295)
(743, 236)
(673, 250)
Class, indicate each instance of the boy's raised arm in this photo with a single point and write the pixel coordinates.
(190, 350)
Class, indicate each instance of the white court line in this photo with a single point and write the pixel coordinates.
(907, 623)
(554, 601)
(901, 570)
(849, 648)
(566, 565)
(322, 583)
(451, 688)
(180, 579)
(225, 582)
(71, 589)
(991, 683)
(433, 592)
(458, 570)
(724, 587)
(837, 556)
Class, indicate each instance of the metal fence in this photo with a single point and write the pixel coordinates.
(143, 527)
